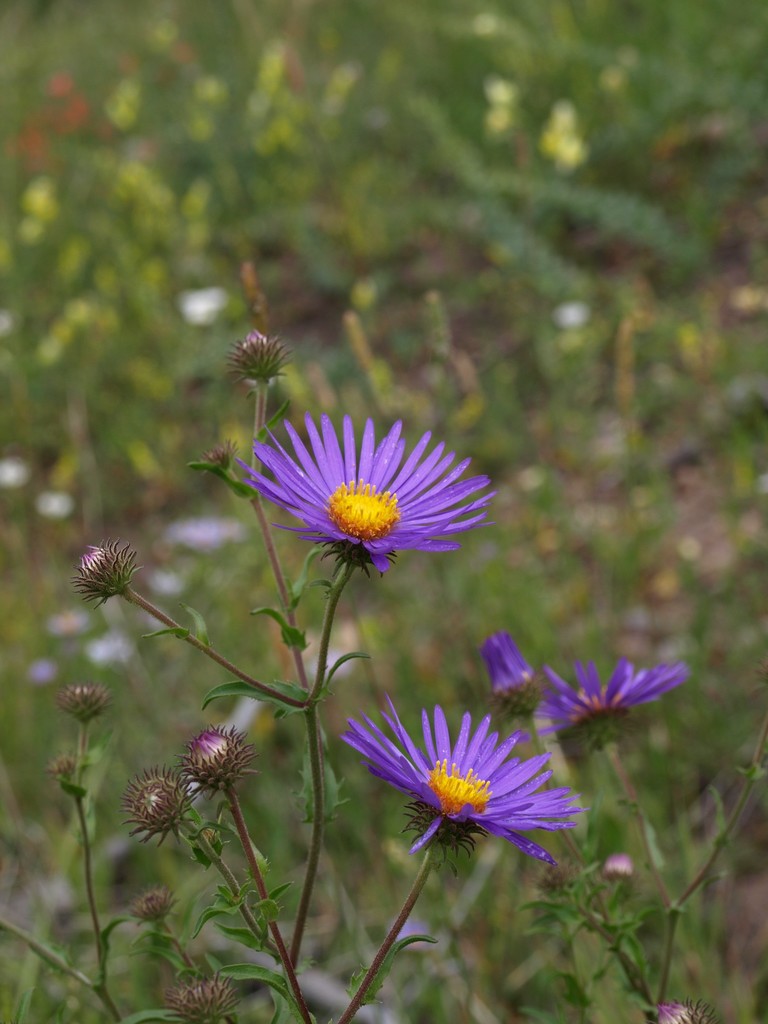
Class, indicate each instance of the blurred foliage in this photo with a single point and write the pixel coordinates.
(526, 228)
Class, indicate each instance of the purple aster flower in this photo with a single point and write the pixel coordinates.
(469, 784)
(566, 706)
(370, 497)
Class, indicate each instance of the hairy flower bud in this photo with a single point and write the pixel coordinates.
(222, 455)
(515, 687)
(258, 357)
(618, 867)
(84, 701)
(217, 758)
(202, 1001)
(686, 1013)
(153, 905)
(62, 767)
(156, 801)
(104, 571)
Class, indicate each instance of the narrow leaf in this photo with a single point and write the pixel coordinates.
(237, 688)
(178, 631)
(273, 420)
(237, 486)
(297, 587)
(340, 661)
(292, 637)
(201, 630)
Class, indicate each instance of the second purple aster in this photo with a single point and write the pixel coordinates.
(366, 494)
(469, 785)
(566, 706)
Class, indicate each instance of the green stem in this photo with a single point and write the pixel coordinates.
(315, 747)
(285, 959)
(631, 794)
(721, 838)
(634, 978)
(673, 916)
(133, 597)
(100, 987)
(564, 833)
(389, 941)
(46, 954)
(232, 884)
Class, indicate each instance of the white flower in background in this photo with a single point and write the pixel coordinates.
(14, 472)
(113, 648)
(55, 504)
(165, 583)
(72, 622)
(202, 306)
(6, 322)
(569, 316)
(205, 533)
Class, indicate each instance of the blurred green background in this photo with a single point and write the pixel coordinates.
(537, 229)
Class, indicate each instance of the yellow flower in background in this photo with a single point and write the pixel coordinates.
(503, 99)
(122, 106)
(560, 139)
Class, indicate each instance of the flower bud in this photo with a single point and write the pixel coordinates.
(105, 571)
(217, 758)
(156, 802)
(258, 357)
(202, 1001)
(557, 878)
(84, 701)
(618, 867)
(222, 455)
(63, 767)
(516, 688)
(153, 905)
(686, 1013)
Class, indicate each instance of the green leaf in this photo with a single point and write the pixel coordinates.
(156, 946)
(201, 630)
(178, 631)
(340, 661)
(244, 936)
(218, 909)
(144, 1016)
(272, 421)
(71, 789)
(653, 846)
(332, 791)
(237, 688)
(252, 972)
(574, 993)
(386, 966)
(292, 637)
(296, 588)
(269, 909)
(237, 486)
(23, 1006)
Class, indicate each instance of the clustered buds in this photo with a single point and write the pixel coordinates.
(153, 905)
(157, 802)
(105, 571)
(217, 758)
(222, 455)
(258, 357)
(686, 1013)
(618, 867)
(202, 1001)
(84, 701)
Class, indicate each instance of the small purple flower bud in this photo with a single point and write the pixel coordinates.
(153, 905)
(202, 1001)
(618, 867)
(217, 758)
(686, 1013)
(258, 357)
(84, 701)
(157, 802)
(104, 571)
(516, 689)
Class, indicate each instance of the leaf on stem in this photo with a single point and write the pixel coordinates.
(252, 972)
(236, 486)
(236, 688)
(292, 637)
(386, 966)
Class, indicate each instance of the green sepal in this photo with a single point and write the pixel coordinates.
(386, 966)
(236, 486)
(292, 637)
(237, 688)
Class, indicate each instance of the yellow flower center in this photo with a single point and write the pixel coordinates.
(357, 509)
(454, 790)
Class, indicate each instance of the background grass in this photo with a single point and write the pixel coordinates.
(351, 150)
